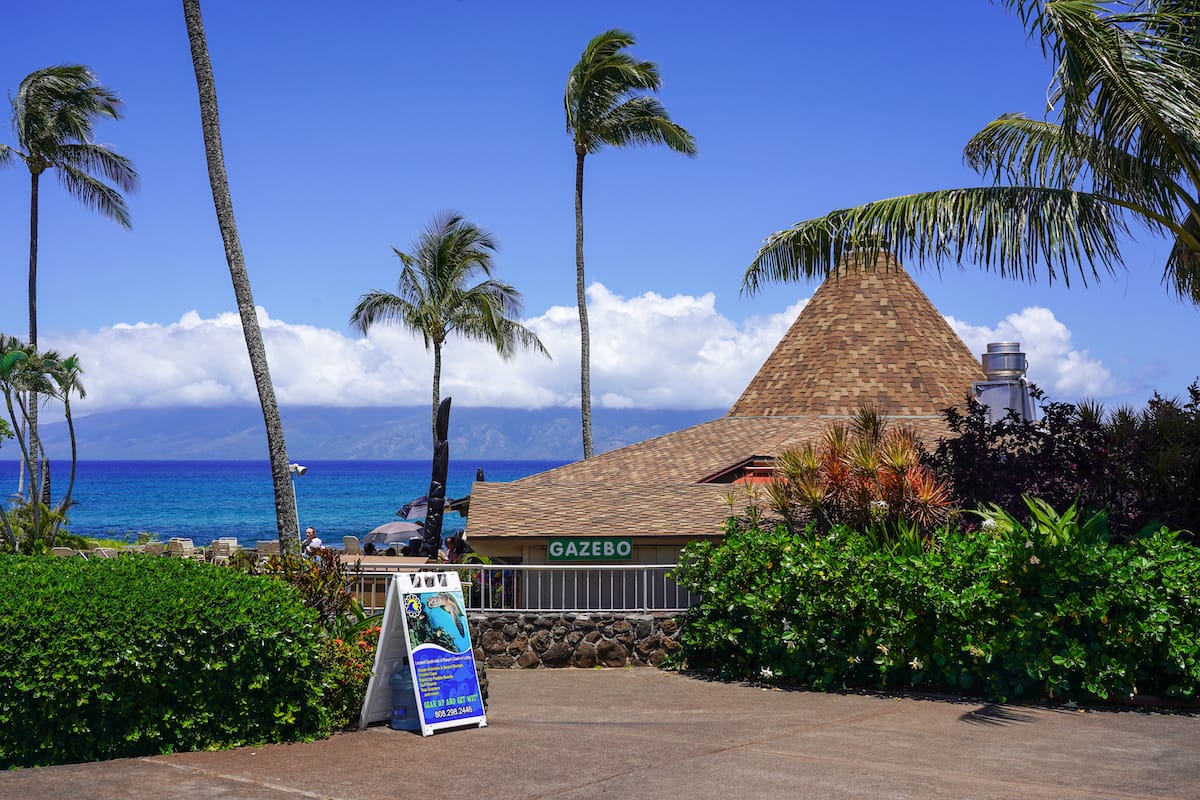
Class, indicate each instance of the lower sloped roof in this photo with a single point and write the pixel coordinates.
(649, 489)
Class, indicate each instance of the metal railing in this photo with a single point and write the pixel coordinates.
(546, 588)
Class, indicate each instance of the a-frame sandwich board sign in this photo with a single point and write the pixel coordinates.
(425, 631)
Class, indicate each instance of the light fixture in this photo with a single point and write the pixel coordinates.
(294, 470)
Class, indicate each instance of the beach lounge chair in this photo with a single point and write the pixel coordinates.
(62, 552)
(221, 550)
(267, 548)
(183, 548)
(351, 546)
(104, 552)
(155, 548)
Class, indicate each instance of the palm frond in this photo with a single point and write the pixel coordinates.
(1182, 272)
(605, 75)
(1009, 230)
(1023, 152)
(378, 307)
(95, 158)
(607, 104)
(435, 296)
(643, 121)
(94, 194)
(54, 112)
(1026, 152)
(1122, 82)
(58, 105)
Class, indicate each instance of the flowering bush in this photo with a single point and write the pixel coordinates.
(347, 664)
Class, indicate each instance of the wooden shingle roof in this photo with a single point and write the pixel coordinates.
(867, 336)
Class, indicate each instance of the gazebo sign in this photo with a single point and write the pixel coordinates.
(592, 548)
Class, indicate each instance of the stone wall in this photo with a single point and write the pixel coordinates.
(591, 639)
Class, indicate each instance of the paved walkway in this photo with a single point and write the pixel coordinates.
(650, 734)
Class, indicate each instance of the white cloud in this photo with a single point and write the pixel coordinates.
(1065, 373)
(647, 352)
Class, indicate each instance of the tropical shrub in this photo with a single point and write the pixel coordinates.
(1158, 453)
(1047, 608)
(865, 474)
(1060, 458)
(321, 581)
(111, 658)
(34, 534)
(1141, 468)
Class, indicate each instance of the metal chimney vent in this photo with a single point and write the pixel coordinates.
(1005, 388)
(1004, 361)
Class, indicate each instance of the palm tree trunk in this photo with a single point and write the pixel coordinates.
(33, 256)
(285, 500)
(437, 387)
(585, 339)
(25, 455)
(35, 462)
(66, 501)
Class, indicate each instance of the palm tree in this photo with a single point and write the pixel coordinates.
(24, 372)
(65, 373)
(286, 523)
(434, 298)
(53, 116)
(1124, 147)
(606, 108)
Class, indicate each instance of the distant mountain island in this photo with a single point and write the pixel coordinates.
(237, 433)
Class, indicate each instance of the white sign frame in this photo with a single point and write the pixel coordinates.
(431, 666)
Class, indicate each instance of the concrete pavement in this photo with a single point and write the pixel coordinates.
(643, 733)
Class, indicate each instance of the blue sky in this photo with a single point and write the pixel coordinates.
(346, 127)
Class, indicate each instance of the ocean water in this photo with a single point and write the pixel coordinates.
(204, 500)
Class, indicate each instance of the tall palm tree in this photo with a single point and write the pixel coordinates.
(53, 116)
(606, 107)
(1124, 146)
(286, 523)
(434, 296)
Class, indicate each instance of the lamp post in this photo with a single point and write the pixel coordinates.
(294, 470)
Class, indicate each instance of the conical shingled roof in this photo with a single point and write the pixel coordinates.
(869, 335)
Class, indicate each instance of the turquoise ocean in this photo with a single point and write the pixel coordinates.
(204, 500)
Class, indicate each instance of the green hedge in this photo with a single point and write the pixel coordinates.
(139, 655)
(1004, 614)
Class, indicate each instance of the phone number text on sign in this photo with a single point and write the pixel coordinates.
(443, 713)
